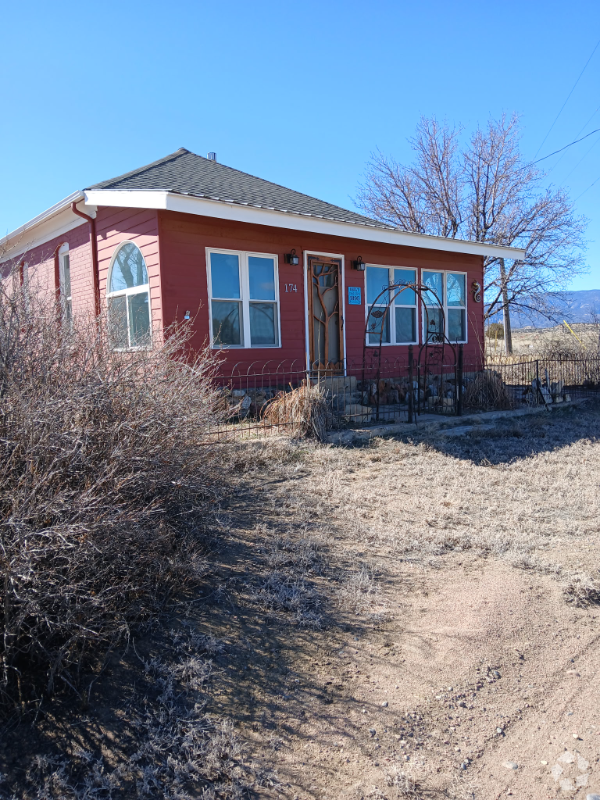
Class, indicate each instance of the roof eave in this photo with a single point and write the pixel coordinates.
(219, 209)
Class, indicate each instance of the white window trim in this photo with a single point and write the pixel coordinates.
(245, 301)
(445, 306)
(125, 293)
(64, 251)
(393, 306)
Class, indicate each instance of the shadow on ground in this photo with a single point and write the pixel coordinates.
(509, 440)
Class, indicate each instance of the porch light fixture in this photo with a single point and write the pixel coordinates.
(187, 315)
(359, 264)
(292, 258)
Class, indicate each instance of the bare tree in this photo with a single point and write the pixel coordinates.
(483, 192)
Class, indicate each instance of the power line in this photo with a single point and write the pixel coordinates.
(586, 190)
(566, 146)
(566, 178)
(583, 127)
(568, 96)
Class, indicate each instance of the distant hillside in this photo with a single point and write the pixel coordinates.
(572, 307)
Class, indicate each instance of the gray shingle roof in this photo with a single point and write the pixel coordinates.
(186, 173)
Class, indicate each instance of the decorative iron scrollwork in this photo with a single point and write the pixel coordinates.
(476, 289)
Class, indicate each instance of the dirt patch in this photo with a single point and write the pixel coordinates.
(386, 621)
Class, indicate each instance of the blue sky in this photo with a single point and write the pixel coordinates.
(298, 93)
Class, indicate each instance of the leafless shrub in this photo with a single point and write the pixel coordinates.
(303, 411)
(487, 392)
(104, 474)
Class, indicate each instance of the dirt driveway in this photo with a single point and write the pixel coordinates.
(420, 636)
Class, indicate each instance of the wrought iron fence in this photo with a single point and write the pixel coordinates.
(379, 390)
(536, 381)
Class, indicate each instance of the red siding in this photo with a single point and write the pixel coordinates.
(183, 239)
(174, 248)
(40, 266)
(116, 225)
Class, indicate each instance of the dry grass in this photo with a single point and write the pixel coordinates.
(513, 491)
(179, 751)
(551, 342)
(303, 412)
(487, 392)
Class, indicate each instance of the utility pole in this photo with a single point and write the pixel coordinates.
(508, 348)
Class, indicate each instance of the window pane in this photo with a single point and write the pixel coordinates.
(117, 322)
(407, 297)
(406, 325)
(226, 323)
(433, 280)
(456, 325)
(455, 287)
(139, 320)
(378, 278)
(378, 318)
(67, 276)
(129, 268)
(225, 275)
(262, 323)
(68, 314)
(262, 278)
(433, 319)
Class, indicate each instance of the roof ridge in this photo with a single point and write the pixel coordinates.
(171, 157)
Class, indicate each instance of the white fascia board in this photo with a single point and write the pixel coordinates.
(128, 199)
(55, 221)
(219, 209)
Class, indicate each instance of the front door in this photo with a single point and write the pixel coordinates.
(325, 314)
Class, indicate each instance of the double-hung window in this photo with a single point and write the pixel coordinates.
(398, 325)
(445, 306)
(244, 299)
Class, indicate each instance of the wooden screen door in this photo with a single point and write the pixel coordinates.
(325, 314)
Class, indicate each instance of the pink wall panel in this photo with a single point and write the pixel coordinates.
(40, 266)
(117, 225)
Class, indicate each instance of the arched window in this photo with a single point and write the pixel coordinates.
(128, 299)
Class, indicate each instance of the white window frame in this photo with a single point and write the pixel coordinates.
(445, 307)
(63, 254)
(126, 293)
(244, 299)
(393, 306)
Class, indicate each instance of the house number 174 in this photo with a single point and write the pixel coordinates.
(291, 287)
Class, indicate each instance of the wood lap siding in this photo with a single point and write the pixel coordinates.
(40, 266)
(174, 248)
(116, 225)
(183, 241)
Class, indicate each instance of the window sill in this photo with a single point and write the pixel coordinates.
(242, 347)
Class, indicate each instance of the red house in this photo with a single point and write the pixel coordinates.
(266, 273)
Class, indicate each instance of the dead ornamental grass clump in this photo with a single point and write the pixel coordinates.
(104, 477)
(301, 412)
(486, 392)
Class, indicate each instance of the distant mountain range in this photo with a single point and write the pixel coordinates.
(572, 307)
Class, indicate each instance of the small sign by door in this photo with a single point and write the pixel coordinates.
(354, 298)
